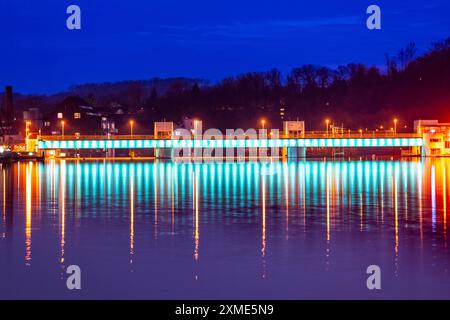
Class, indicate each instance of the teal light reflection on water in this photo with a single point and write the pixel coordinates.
(230, 223)
(206, 143)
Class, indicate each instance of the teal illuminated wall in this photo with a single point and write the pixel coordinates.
(258, 143)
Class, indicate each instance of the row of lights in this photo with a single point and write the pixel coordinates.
(263, 123)
(394, 129)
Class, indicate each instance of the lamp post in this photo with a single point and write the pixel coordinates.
(27, 133)
(196, 133)
(395, 126)
(27, 129)
(327, 121)
(263, 122)
(131, 128)
(62, 128)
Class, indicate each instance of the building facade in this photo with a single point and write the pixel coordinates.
(436, 137)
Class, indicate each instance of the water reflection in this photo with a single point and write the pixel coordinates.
(444, 199)
(4, 200)
(62, 209)
(263, 238)
(210, 211)
(131, 217)
(28, 200)
(196, 226)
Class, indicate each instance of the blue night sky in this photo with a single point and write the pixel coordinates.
(141, 39)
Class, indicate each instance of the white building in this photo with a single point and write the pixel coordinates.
(436, 137)
(163, 130)
(294, 129)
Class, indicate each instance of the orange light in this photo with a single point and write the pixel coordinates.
(131, 127)
(263, 123)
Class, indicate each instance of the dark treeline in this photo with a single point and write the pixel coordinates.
(355, 95)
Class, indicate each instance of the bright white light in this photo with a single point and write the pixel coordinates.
(2, 149)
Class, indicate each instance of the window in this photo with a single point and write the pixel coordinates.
(435, 140)
(447, 144)
(77, 115)
(60, 115)
(47, 124)
(435, 152)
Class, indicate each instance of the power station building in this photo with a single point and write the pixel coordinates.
(436, 137)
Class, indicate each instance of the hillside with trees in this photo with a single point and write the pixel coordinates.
(356, 95)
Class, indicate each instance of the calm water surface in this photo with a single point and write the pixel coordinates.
(225, 231)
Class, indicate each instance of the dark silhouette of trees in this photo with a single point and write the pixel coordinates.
(356, 95)
(406, 54)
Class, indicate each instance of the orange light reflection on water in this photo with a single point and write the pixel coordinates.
(28, 200)
(419, 186)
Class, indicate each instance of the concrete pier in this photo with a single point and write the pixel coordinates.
(163, 153)
(296, 153)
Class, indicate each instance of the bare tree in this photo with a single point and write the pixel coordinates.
(324, 77)
(407, 54)
(441, 45)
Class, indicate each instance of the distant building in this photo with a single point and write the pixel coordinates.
(8, 105)
(74, 116)
(109, 126)
(8, 132)
(35, 117)
(163, 130)
(436, 137)
(294, 129)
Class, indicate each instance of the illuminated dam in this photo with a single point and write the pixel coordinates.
(295, 147)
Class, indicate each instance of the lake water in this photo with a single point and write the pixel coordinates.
(291, 230)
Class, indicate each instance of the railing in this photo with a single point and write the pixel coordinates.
(96, 137)
(308, 135)
(356, 135)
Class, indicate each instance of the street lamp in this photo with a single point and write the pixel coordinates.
(62, 128)
(327, 121)
(395, 126)
(263, 122)
(196, 127)
(131, 127)
(27, 133)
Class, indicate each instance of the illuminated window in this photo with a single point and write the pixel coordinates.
(435, 140)
(60, 115)
(47, 124)
(77, 115)
(447, 144)
(435, 152)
